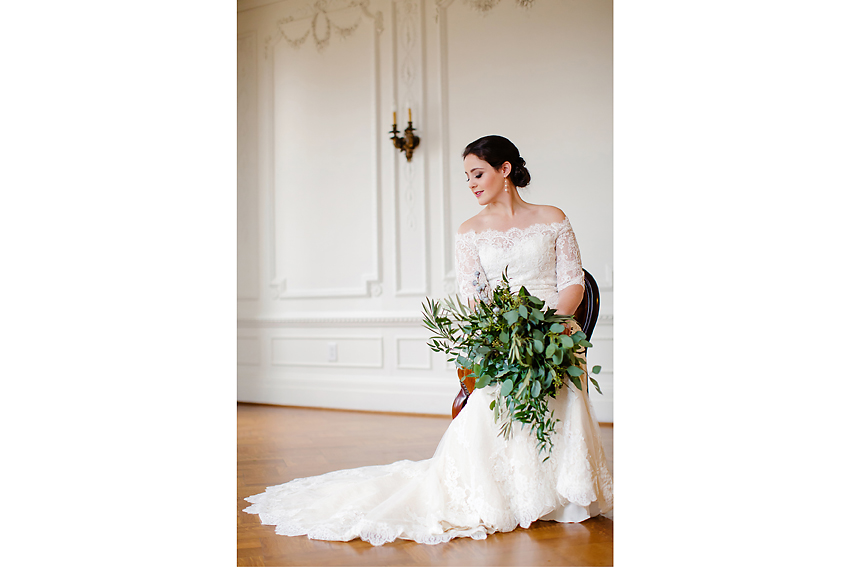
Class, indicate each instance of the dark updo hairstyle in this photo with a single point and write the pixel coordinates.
(496, 150)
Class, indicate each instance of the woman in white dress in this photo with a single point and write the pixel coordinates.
(477, 483)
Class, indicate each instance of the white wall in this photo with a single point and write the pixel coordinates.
(340, 238)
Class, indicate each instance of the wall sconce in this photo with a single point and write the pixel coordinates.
(408, 142)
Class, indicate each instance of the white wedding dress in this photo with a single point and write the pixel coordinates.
(477, 483)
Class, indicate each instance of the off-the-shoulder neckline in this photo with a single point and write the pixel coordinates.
(513, 228)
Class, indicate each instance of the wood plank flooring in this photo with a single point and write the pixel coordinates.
(278, 444)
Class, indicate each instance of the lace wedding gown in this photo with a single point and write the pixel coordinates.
(477, 483)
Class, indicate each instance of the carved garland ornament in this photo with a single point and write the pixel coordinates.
(321, 25)
(487, 5)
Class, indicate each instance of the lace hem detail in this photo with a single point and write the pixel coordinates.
(502, 484)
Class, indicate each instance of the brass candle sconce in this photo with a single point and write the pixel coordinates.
(408, 142)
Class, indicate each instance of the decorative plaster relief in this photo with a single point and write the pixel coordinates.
(411, 270)
(485, 6)
(318, 12)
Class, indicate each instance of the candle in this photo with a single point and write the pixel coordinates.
(409, 116)
(394, 122)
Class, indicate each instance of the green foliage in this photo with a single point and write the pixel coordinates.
(511, 341)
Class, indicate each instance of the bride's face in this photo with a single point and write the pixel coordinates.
(485, 181)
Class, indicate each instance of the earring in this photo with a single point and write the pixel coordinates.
(506, 184)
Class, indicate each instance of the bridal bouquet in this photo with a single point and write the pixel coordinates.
(512, 341)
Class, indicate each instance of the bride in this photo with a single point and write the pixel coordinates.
(477, 483)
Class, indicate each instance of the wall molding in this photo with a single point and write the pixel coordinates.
(245, 5)
(378, 340)
(370, 285)
(357, 320)
(419, 340)
(326, 320)
(446, 231)
(410, 205)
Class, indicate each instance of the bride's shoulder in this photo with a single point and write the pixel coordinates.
(474, 224)
(547, 214)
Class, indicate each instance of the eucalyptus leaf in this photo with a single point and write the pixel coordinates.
(556, 328)
(507, 386)
(558, 356)
(574, 371)
(483, 381)
(595, 383)
(511, 317)
(596, 369)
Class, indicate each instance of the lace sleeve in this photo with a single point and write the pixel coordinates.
(567, 258)
(471, 280)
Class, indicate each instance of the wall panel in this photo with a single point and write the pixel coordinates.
(326, 213)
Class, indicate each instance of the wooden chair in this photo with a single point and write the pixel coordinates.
(586, 315)
(587, 312)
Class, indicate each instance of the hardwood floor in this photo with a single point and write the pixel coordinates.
(278, 444)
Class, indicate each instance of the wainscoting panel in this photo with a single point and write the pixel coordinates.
(412, 353)
(328, 351)
(377, 366)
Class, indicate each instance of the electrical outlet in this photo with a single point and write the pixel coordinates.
(332, 352)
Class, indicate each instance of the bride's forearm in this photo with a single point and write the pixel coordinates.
(569, 299)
